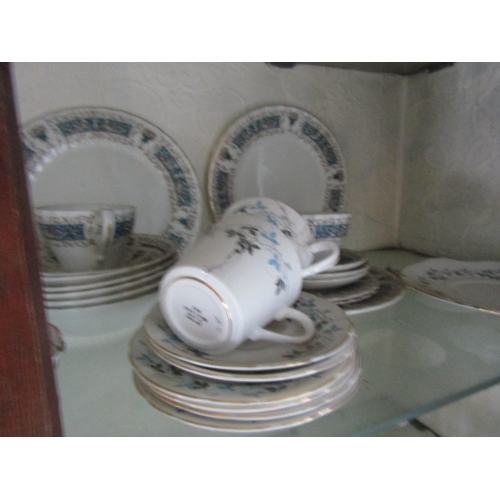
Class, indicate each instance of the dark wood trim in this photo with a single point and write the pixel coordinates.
(28, 397)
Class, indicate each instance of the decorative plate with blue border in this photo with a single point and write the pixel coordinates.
(93, 154)
(283, 174)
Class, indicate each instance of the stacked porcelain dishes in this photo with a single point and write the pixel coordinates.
(356, 286)
(146, 260)
(261, 385)
(351, 268)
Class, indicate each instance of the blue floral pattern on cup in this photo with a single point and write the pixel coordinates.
(250, 239)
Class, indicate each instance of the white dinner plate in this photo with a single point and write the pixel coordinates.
(390, 291)
(467, 283)
(355, 292)
(104, 298)
(100, 155)
(349, 260)
(131, 284)
(340, 275)
(253, 377)
(334, 336)
(344, 375)
(317, 283)
(278, 152)
(267, 413)
(187, 386)
(145, 252)
(205, 422)
(108, 284)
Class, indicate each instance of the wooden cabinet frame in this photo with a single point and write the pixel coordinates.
(28, 397)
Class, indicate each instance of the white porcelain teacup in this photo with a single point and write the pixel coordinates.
(86, 237)
(295, 227)
(233, 282)
(327, 226)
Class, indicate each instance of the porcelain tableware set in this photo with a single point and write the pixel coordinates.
(230, 313)
(90, 255)
(261, 385)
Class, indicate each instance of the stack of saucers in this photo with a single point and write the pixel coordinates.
(351, 268)
(259, 386)
(355, 285)
(146, 260)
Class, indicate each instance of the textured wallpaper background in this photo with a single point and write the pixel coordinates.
(451, 202)
(195, 102)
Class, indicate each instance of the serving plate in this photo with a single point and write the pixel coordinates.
(278, 152)
(212, 423)
(391, 290)
(289, 407)
(334, 336)
(145, 253)
(101, 155)
(104, 298)
(191, 387)
(320, 282)
(467, 283)
(355, 292)
(349, 260)
(251, 376)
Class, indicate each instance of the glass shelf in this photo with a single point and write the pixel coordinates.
(416, 355)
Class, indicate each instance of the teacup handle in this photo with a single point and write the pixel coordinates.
(329, 261)
(287, 313)
(108, 224)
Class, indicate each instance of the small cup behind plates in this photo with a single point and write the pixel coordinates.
(329, 226)
(86, 237)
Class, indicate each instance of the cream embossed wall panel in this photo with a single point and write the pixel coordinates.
(195, 102)
(452, 163)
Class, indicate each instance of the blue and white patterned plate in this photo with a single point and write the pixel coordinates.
(467, 283)
(250, 377)
(99, 155)
(390, 290)
(181, 385)
(145, 252)
(334, 336)
(244, 426)
(279, 152)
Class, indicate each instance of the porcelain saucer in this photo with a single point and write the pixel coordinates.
(391, 290)
(349, 259)
(227, 413)
(322, 281)
(190, 387)
(143, 253)
(103, 299)
(107, 285)
(355, 292)
(205, 422)
(468, 283)
(259, 376)
(334, 336)
(130, 284)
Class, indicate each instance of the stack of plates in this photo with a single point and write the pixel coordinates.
(259, 386)
(350, 268)
(355, 285)
(146, 260)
